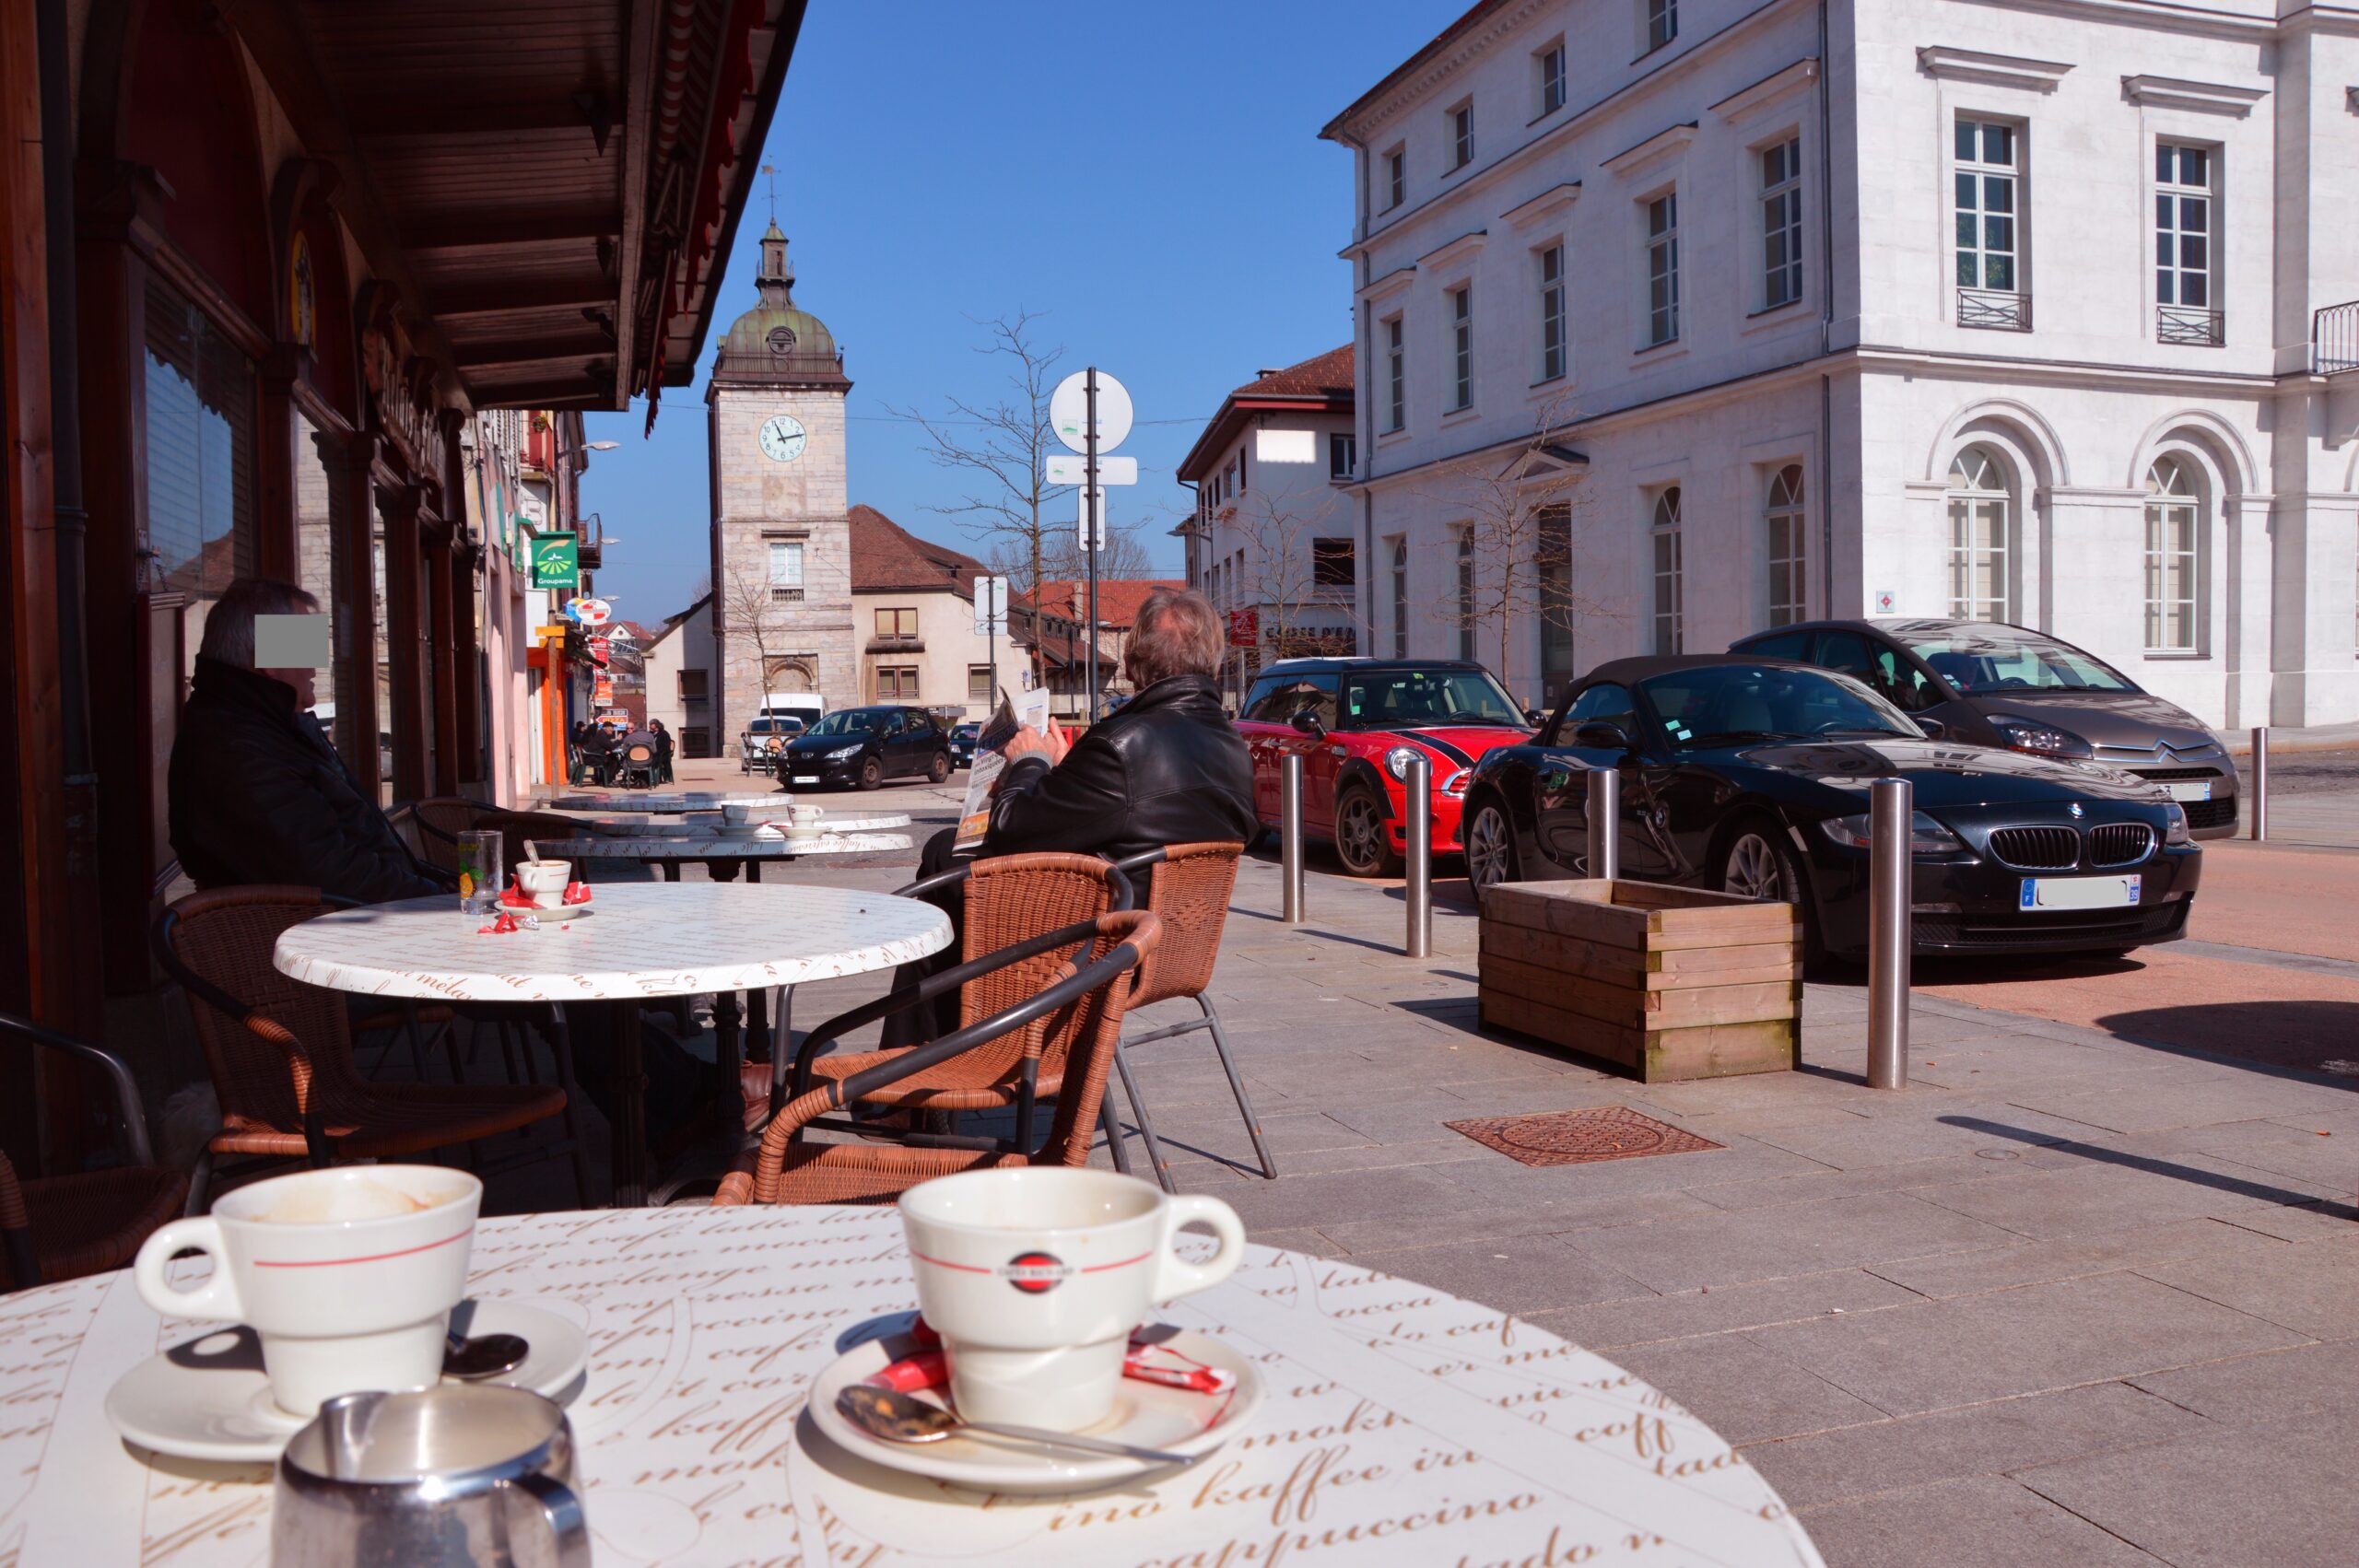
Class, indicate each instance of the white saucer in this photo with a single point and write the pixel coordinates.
(1148, 1414)
(207, 1399)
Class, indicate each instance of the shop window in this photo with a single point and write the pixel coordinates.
(200, 457)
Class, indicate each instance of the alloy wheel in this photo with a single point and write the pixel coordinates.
(1756, 872)
(1359, 835)
(1489, 857)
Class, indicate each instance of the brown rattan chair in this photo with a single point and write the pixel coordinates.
(1072, 1014)
(280, 1052)
(63, 1227)
(1189, 887)
(440, 822)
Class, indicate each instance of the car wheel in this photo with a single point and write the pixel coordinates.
(1758, 862)
(1490, 848)
(1362, 841)
(939, 769)
(871, 772)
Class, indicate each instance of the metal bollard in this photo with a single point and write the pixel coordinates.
(1891, 892)
(1290, 836)
(1419, 894)
(2260, 782)
(1605, 823)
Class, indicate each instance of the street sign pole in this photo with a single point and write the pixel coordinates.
(1092, 501)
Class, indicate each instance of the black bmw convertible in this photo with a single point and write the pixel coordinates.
(1751, 775)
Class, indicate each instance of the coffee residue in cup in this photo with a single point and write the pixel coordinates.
(327, 1202)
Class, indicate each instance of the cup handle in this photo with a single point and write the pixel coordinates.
(1174, 1277)
(216, 1298)
(563, 1512)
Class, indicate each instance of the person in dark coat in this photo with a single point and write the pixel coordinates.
(663, 751)
(256, 790)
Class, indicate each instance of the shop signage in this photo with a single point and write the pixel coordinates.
(598, 651)
(401, 382)
(1244, 628)
(557, 561)
(590, 612)
(601, 690)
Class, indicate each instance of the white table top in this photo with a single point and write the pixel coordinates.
(1403, 1426)
(678, 846)
(665, 800)
(693, 822)
(644, 940)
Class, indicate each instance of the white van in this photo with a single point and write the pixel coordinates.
(805, 706)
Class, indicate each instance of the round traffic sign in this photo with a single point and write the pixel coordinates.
(592, 612)
(1069, 412)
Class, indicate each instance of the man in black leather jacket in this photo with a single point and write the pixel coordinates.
(257, 792)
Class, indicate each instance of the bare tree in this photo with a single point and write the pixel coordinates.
(1000, 449)
(1279, 574)
(751, 608)
(1062, 558)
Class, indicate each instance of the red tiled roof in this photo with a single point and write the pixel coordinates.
(888, 559)
(1324, 383)
(1323, 375)
(1118, 599)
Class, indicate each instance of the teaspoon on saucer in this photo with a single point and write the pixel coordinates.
(470, 1360)
(900, 1418)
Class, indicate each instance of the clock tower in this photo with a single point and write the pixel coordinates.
(782, 543)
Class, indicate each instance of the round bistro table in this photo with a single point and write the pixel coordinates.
(640, 940)
(1401, 1425)
(666, 800)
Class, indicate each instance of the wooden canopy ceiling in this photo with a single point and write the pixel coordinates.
(551, 184)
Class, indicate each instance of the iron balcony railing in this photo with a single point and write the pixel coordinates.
(1993, 309)
(2189, 323)
(2334, 339)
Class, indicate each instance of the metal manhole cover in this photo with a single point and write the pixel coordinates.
(1581, 1137)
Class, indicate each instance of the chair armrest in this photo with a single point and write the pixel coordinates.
(17, 1231)
(299, 1061)
(925, 885)
(118, 1072)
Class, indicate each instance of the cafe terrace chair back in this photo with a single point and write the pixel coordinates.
(1075, 1015)
(440, 819)
(280, 1051)
(63, 1227)
(1189, 885)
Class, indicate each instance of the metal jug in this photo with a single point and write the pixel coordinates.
(460, 1474)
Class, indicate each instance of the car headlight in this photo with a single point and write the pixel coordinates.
(842, 752)
(1397, 760)
(2042, 740)
(1926, 837)
(2175, 825)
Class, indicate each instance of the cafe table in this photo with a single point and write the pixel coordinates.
(1401, 1424)
(635, 942)
(670, 845)
(672, 801)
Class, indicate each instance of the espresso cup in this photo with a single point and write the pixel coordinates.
(806, 819)
(544, 882)
(1035, 1279)
(347, 1276)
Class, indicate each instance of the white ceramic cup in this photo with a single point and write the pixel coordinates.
(347, 1276)
(737, 816)
(544, 881)
(1035, 1278)
(807, 818)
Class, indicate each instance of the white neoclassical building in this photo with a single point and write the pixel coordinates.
(2024, 309)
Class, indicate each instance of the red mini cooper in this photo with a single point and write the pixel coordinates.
(1356, 723)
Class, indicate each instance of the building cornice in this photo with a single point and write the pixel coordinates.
(1541, 208)
(1991, 70)
(1777, 85)
(1652, 153)
(1427, 69)
(1390, 283)
(2204, 98)
(1450, 252)
(2165, 16)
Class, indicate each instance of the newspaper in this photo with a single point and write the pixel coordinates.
(1028, 711)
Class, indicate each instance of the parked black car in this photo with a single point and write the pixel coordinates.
(962, 742)
(865, 746)
(2003, 685)
(1751, 775)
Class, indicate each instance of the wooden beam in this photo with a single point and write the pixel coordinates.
(402, 118)
(502, 299)
(541, 350)
(638, 129)
(514, 224)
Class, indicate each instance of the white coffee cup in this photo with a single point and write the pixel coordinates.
(544, 882)
(347, 1276)
(1035, 1278)
(804, 821)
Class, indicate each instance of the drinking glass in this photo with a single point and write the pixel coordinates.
(479, 876)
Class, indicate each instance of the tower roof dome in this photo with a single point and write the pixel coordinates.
(777, 340)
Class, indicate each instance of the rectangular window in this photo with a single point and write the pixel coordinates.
(1462, 347)
(1987, 192)
(1462, 134)
(1552, 312)
(1343, 455)
(1396, 177)
(1662, 269)
(693, 686)
(896, 625)
(2185, 290)
(1330, 564)
(1671, 599)
(896, 683)
(978, 683)
(1553, 558)
(1781, 224)
(1662, 22)
(1550, 64)
(1400, 598)
(2172, 531)
(1396, 369)
(1466, 610)
(1789, 549)
(786, 570)
(203, 532)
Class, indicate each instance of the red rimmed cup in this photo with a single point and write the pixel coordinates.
(1035, 1279)
(347, 1276)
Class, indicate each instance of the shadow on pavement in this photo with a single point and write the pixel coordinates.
(2288, 1038)
(2196, 1175)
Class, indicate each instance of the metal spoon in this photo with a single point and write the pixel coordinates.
(473, 1358)
(900, 1418)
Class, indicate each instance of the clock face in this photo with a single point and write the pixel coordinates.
(783, 437)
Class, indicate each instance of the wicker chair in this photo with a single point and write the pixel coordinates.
(63, 1227)
(440, 822)
(1189, 887)
(280, 1052)
(1073, 1015)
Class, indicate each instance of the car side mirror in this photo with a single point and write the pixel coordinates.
(1535, 718)
(1306, 723)
(1602, 736)
(1935, 728)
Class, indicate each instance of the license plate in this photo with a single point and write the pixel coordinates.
(2190, 790)
(2079, 893)
(804, 778)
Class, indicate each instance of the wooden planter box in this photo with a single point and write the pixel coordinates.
(1666, 983)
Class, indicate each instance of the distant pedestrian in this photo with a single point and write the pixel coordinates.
(663, 749)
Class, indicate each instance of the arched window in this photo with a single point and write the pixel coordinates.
(1466, 594)
(2174, 536)
(1400, 598)
(1671, 598)
(1981, 531)
(1789, 595)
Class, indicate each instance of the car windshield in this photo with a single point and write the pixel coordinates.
(968, 732)
(1409, 700)
(2007, 659)
(850, 721)
(1720, 705)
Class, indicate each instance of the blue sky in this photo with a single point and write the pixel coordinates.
(1149, 177)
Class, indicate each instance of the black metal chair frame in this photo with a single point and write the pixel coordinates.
(24, 1267)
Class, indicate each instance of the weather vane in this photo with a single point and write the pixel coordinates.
(769, 171)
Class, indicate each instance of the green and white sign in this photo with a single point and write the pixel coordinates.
(557, 561)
